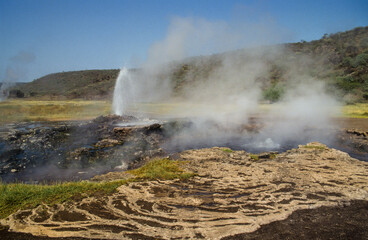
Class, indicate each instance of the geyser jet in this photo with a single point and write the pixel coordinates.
(123, 92)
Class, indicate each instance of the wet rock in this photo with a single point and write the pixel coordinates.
(107, 143)
(113, 119)
(153, 127)
(122, 132)
(267, 155)
(358, 133)
(97, 144)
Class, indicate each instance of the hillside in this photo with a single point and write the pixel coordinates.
(340, 59)
(345, 54)
(89, 84)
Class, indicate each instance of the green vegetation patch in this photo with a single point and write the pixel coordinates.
(164, 169)
(358, 110)
(227, 150)
(18, 196)
(357, 61)
(315, 147)
(347, 83)
(254, 157)
(274, 93)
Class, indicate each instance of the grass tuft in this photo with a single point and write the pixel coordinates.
(315, 147)
(228, 150)
(254, 157)
(163, 169)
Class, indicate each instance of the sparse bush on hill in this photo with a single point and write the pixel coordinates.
(347, 84)
(360, 60)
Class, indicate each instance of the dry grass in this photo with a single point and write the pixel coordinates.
(36, 110)
(314, 147)
(358, 110)
(32, 110)
(182, 109)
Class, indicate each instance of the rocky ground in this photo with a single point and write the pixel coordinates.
(74, 150)
(54, 151)
(234, 194)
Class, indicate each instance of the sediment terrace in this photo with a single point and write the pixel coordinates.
(233, 192)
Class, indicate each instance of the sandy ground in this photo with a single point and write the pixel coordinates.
(347, 222)
(311, 192)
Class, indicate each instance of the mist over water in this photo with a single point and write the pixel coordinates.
(221, 102)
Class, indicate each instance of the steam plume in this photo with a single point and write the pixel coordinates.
(221, 93)
(16, 70)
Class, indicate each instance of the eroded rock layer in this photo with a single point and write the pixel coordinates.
(234, 192)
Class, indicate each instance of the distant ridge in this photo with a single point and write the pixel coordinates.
(340, 59)
(87, 84)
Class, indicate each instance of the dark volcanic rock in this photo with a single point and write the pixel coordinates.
(80, 150)
(93, 147)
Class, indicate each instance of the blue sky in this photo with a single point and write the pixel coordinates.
(65, 35)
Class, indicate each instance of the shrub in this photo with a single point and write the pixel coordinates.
(360, 60)
(347, 62)
(16, 93)
(364, 42)
(347, 83)
(274, 93)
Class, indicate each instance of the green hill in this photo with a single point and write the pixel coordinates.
(344, 60)
(340, 59)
